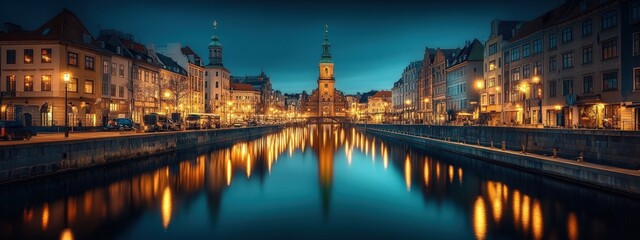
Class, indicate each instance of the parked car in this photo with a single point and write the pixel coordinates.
(12, 130)
(120, 124)
(154, 122)
(253, 123)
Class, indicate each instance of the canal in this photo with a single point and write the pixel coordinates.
(314, 182)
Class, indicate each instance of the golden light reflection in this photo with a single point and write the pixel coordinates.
(45, 216)
(537, 222)
(407, 172)
(460, 175)
(385, 158)
(437, 171)
(27, 214)
(426, 173)
(450, 174)
(228, 171)
(248, 165)
(479, 219)
(373, 150)
(572, 226)
(526, 211)
(66, 234)
(516, 207)
(494, 191)
(166, 207)
(71, 210)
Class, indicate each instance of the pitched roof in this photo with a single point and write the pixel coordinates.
(471, 52)
(192, 56)
(65, 26)
(382, 94)
(171, 65)
(242, 87)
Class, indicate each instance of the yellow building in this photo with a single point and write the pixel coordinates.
(216, 80)
(243, 103)
(379, 106)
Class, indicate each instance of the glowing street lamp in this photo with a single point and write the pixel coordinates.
(66, 77)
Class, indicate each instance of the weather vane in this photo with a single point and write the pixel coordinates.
(326, 28)
(215, 25)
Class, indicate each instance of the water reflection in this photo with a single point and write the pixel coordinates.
(349, 185)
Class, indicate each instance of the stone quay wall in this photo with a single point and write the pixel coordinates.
(605, 177)
(606, 147)
(25, 161)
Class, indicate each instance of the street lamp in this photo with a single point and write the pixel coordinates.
(480, 88)
(66, 77)
(407, 104)
(426, 106)
(536, 80)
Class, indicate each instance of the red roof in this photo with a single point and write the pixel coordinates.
(242, 87)
(382, 94)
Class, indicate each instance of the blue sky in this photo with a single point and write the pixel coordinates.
(372, 41)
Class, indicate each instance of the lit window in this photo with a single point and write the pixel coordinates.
(45, 83)
(88, 86)
(28, 83)
(72, 59)
(73, 85)
(45, 55)
(28, 56)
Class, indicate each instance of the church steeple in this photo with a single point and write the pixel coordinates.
(215, 47)
(326, 46)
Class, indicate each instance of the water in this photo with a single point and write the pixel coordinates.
(317, 182)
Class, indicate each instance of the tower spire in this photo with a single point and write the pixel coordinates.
(326, 46)
(215, 47)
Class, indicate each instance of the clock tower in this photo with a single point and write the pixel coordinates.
(326, 81)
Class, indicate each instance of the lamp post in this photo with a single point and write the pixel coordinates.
(407, 104)
(66, 77)
(480, 88)
(537, 81)
(426, 106)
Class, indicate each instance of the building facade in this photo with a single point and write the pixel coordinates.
(244, 100)
(379, 106)
(462, 76)
(217, 80)
(325, 100)
(33, 66)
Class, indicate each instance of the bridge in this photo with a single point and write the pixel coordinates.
(327, 119)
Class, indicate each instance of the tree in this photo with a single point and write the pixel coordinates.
(175, 89)
(135, 92)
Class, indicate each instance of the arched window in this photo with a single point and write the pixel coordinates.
(326, 71)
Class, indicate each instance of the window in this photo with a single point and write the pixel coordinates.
(493, 49)
(567, 34)
(105, 88)
(507, 57)
(526, 71)
(154, 77)
(587, 28)
(636, 79)
(114, 70)
(146, 76)
(492, 99)
(587, 54)
(45, 83)
(105, 67)
(28, 56)
(121, 71)
(567, 87)
(11, 56)
(73, 85)
(537, 46)
(216, 84)
(516, 74)
(635, 11)
(609, 49)
(89, 63)
(120, 91)
(526, 50)
(609, 20)
(216, 96)
(11, 83)
(515, 54)
(537, 68)
(552, 41)
(492, 65)
(567, 60)
(587, 83)
(552, 63)
(88, 86)
(113, 90)
(610, 81)
(636, 43)
(45, 55)
(216, 73)
(72, 59)
(491, 82)
(28, 83)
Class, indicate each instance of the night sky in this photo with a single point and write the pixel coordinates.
(372, 40)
